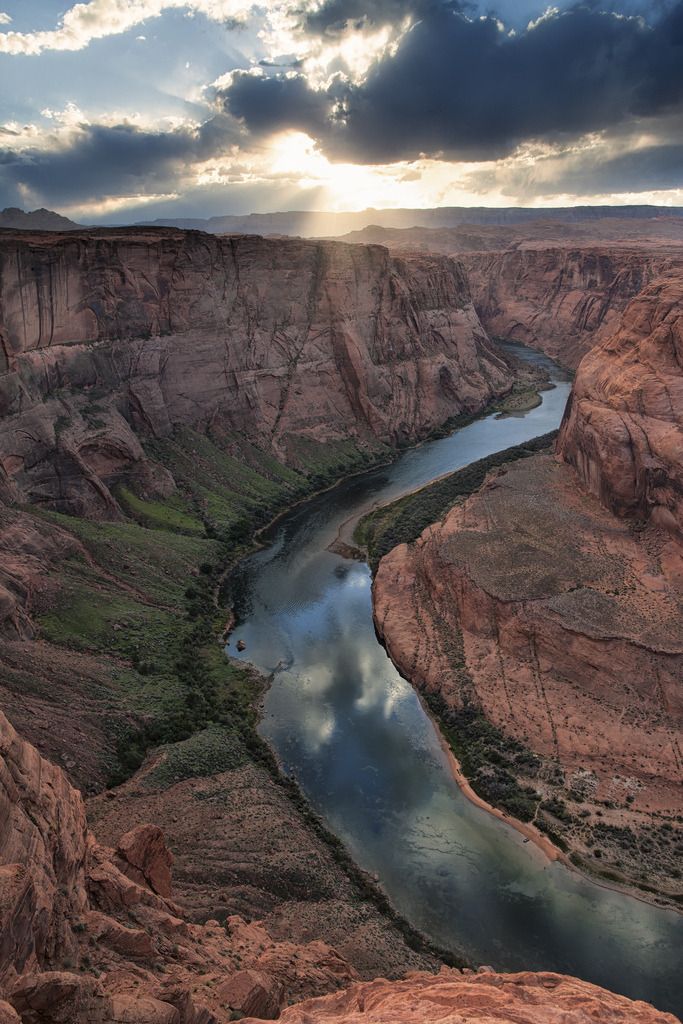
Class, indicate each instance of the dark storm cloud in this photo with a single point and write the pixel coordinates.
(117, 160)
(273, 103)
(334, 14)
(652, 168)
(463, 89)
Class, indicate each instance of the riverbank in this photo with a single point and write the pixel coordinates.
(347, 545)
(533, 834)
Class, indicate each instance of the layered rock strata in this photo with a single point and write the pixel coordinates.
(559, 299)
(536, 603)
(571, 625)
(623, 427)
(110, 336)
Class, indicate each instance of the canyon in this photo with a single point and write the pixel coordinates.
(559, 287)
(564, 301)
(160, 388)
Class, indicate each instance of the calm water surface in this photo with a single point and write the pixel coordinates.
(365, 754)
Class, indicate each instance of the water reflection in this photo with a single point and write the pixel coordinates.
(339, 716)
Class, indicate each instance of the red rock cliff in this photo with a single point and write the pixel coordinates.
(623, 427)
(69, 907)
(559, 299)
(104, 331)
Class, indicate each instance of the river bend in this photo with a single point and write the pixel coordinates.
(367, 757)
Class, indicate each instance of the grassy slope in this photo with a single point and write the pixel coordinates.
(140, 602)
(134, 611)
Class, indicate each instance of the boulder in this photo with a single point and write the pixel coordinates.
(144, 851)
(253, 994)
(57, 997)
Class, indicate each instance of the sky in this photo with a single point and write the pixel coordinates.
(115, 111)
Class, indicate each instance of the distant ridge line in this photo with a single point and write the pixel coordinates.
(318, 223)
(35, 220)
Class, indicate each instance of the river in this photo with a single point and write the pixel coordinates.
(354, 733)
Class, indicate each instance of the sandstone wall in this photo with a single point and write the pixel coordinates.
(109, 334)
(561, 300)
(42, 857)
(571, 626)
(623, 427)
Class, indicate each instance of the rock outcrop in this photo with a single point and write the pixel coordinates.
(567, 618)
(69, 910)
(559, 299)
(42, 858)
(623, 427)
(26, 554)
(524, 998)
(112, 335)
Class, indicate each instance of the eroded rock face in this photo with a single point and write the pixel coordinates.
(110, 334)
(146, 858)
(42, 857)
(523, 998)
(154, 967)
(67, 907)
(561, 300)
(623, 427)
(26, 554)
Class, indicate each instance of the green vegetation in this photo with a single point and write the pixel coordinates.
(490, 760)
(167, 516)
(403, 521)
(137, 598)
(230, 487)
(209, 752)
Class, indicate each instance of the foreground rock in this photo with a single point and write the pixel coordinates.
(523, 998)
(112, 336)
(241, 847)
(69, 911)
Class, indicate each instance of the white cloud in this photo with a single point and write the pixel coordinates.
(277, 23)
(4, 18)
(84, 22)
(116, 204)
(71, 117)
